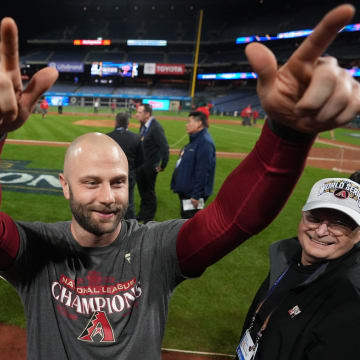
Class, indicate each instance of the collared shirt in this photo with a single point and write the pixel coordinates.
(148, 123)
(145, 127)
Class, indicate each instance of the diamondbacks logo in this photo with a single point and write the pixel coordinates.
(98, 329)
(341, 194)
(16, 176)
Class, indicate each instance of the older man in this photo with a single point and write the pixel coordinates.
(99, 286)
(309, 305)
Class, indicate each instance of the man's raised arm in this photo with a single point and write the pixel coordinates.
(16, 105)
(307, 95)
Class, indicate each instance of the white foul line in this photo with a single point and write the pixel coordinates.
(199, 353)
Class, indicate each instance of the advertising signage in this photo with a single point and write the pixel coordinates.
(157, 104)
(90, 42)
(142, 42)
(114, 69)
(228, 76)
(57, 100)
(164, 69)
(68, 66)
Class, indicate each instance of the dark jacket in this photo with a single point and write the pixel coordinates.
(194, 175)
(132, 145)
(328, 326)
(156, 147)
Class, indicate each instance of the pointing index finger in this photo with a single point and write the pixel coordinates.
(9, 47)
(323, 35)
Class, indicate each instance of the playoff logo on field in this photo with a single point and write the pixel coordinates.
(16, 176)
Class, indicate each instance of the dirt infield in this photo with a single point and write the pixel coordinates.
(13, 347)
(159, 117)
(110, 123)
(341, 157)
(12, 342)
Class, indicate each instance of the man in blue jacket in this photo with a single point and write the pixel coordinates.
(193, 177)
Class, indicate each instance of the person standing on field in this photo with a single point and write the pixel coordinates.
(132, 146)
(44, 107)
(156, 150)
(246, 115)
(193, 177)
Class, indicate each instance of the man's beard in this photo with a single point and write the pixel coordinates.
(82, 214)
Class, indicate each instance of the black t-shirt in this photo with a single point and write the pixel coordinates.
(294, 275)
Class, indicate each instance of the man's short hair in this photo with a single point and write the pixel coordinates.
(200, 116)
(147, 108)
(122, 120)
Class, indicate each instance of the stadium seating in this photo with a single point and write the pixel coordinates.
(37, 57)
(143, 57)
(68, 56)
(115, 56)
(63, 87)
(124, 90)
(235, 101)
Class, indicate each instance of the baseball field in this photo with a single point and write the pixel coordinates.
(206, 314)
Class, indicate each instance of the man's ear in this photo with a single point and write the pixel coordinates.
(357, 235)
(65, 186)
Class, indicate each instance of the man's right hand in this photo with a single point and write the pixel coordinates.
(309, 93)
(15, 104)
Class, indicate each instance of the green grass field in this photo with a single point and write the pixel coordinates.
(206, 314)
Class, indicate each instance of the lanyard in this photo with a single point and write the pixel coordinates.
(264, 325)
